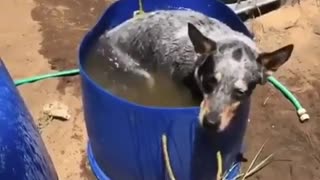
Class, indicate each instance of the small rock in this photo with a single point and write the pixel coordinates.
(57, 110)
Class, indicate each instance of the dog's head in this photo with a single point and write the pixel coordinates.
(227, 72)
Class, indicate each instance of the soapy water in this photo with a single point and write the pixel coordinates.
(106, 70)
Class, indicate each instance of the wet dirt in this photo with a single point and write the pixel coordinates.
(45, 36)
(63, 24)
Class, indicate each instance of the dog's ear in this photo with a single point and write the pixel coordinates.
(273, 60)
(201, 44)
(203, 74)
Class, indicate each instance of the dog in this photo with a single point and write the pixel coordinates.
(220, 66)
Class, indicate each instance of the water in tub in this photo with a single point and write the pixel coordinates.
(113, 72)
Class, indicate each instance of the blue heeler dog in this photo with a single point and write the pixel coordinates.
(219, 65)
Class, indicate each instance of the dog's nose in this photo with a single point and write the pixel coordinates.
(211, 120)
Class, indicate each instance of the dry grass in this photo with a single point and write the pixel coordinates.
(249, 172)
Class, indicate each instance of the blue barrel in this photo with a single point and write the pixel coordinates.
(23, 155)
(125, 138)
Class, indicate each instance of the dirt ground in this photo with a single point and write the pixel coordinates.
(40, 36)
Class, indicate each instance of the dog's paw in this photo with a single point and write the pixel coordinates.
(149, 79)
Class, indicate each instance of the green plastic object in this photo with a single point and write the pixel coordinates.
(285, 92)
(302, 113)
(71, 72)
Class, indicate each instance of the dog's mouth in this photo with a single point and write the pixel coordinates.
(217, 120)
(204, 117)
(208, 124)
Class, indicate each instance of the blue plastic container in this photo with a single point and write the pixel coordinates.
(23, 155)
(125, 138)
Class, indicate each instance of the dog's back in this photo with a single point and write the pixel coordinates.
(160, 39)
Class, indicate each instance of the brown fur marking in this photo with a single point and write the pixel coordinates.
(227, 115)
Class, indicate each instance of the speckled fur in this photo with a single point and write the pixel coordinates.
(160, 40)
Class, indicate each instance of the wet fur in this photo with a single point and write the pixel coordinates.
(160, 41)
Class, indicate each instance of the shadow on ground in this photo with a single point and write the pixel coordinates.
(63, 24)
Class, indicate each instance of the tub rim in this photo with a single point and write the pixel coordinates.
(92, 34)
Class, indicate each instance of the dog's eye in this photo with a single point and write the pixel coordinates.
(239, 93)
(208, 84)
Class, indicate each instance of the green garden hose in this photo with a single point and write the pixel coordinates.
(46, 76)
(302, 113)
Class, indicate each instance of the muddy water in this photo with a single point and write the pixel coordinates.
(134, 87)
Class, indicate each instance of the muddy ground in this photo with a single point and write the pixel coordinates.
(40, 36)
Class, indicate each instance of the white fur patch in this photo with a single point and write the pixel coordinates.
(218, 76)
(203, 109)
(201, 114)
(240, 84)
(196, 75)
(181, 33)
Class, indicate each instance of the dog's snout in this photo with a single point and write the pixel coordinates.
(212, 119)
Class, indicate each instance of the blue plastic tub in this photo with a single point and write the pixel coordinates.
(125, 138)
(23, 155)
